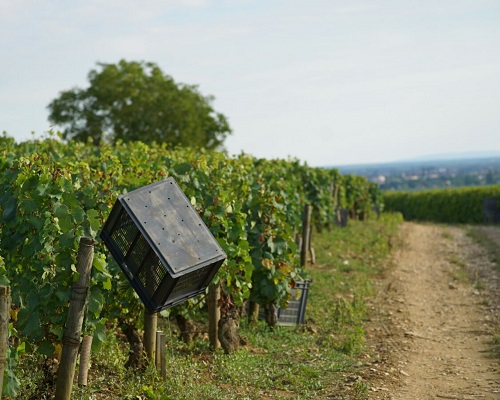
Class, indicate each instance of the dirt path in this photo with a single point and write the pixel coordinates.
(434, 317)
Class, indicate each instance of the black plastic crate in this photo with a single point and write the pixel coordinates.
(294, 314)
(162, 245)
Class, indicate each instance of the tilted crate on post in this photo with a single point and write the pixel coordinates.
(162, 245)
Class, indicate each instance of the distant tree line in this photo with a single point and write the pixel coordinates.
(444, 180)
(431, 174)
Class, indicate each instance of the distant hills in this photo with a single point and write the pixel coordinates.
(436, 159)
(433, 171)
(457, 156)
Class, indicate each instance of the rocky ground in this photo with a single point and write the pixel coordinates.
(434, 319)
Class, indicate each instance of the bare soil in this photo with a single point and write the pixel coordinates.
(433, 319)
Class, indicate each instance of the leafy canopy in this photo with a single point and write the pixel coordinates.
(136, 101)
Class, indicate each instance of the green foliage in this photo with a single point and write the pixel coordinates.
(348, 258)
(271, 236)
(308, 362)
(360, 196)
(46, 210)
(133, 101)
(11, 383)
(3, 273)
(462, 205)
(52, 194)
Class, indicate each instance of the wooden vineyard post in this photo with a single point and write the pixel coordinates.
(306, 226)
(4, 329)
(253, 312)
(72, 333)
(158, 350)
(310, 248)
(335, 197)
(150, 327)
(83, 372)
(163, 355)
(213, 315)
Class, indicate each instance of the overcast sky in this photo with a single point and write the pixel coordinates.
(329, 82)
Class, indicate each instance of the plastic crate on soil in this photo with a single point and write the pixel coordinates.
(294, 314)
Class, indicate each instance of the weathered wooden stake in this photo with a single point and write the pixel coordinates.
(158, 350)
(76, 313)
(163, 355)
(311, 249)
(83, 372)
(306, 225)
(4, 329)
(336, 196)
(150, 327)
(253, 312)
(213, 315)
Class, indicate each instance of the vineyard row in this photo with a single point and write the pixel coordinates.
(52, 194)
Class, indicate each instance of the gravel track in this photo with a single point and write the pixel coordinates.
(433, 319)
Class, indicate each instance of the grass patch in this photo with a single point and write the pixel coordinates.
(461, 274)
(487, 243)
(491, 247)
(493, 250)
(496, 345)
(446, 235)
(458, 262)
(314, 360)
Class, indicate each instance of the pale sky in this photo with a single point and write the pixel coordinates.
(329, 82)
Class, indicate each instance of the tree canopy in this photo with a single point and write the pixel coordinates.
(136, 101)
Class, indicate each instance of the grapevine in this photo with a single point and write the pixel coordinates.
(53, 193)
